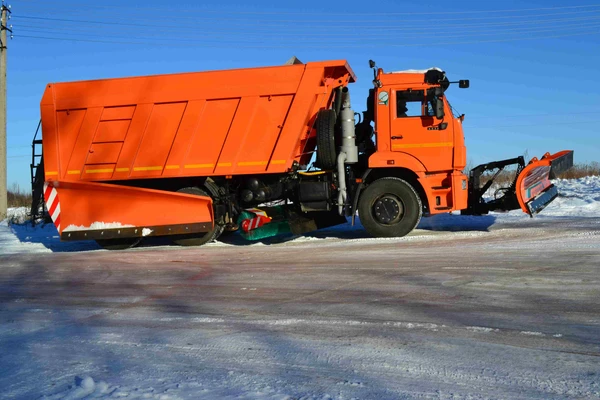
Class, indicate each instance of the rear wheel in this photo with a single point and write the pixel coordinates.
(119, 244)
(198, 239)
(389, 207)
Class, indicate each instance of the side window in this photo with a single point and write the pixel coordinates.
(409, 103)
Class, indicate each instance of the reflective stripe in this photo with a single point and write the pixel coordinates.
(198, 166)
(156, 168)
(98, 171)
(251, 163)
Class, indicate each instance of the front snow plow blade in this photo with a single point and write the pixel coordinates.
(531, 189)
(534, 190)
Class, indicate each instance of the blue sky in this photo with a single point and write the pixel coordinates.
(533, 65)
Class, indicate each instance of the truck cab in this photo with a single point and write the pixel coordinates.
(418, 136)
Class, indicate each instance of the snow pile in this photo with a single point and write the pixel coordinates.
(18, 215)
(577, 197)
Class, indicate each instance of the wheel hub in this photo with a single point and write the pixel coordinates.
(388, 209)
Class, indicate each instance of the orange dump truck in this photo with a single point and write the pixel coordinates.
(185, 155)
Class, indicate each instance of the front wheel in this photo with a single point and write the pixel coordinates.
(389, 207)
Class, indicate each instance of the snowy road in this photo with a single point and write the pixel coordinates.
(509, 311)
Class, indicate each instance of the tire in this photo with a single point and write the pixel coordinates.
(198, 239)
(389, 207)
(119, 244)
(326, 143)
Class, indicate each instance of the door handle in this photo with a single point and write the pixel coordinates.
(397, 137)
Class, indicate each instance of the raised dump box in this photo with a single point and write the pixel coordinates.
(183, 125)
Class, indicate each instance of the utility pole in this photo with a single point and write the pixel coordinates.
(3, 41)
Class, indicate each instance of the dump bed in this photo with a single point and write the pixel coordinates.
(228, 122)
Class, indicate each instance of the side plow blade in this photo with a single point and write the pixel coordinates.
(530, 191)
(92, 210)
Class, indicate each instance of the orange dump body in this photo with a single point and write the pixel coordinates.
(219, 123)
(233, 122)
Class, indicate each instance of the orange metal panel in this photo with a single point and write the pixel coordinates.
(311, 96)
(50, 141)
(261, 137)
(381, 159)
(240, 126)
(434, 148)
(204, 147)
(460, 189)
(104, 153)
(82, 145)
(139, 121)
(181, 143)
(116, 113)
(71, 122)
(112, 131)
(157, 140)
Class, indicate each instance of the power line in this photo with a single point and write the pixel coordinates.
(173, 43)
(299, 25)
(212, 32)
(362, 20)
(295, 38)
(233, 12)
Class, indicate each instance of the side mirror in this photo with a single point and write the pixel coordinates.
(371, 64)
(439, 108)
(463, 83)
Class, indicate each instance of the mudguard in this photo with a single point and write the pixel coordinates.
(534, 190)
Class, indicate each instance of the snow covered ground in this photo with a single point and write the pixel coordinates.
(495, 307)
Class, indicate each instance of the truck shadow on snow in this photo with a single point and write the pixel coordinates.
(47, 234)
(435, 223)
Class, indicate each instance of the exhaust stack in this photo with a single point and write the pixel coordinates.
(349, 151)
(348, 136)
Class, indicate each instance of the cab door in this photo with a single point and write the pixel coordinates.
(416, 131)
